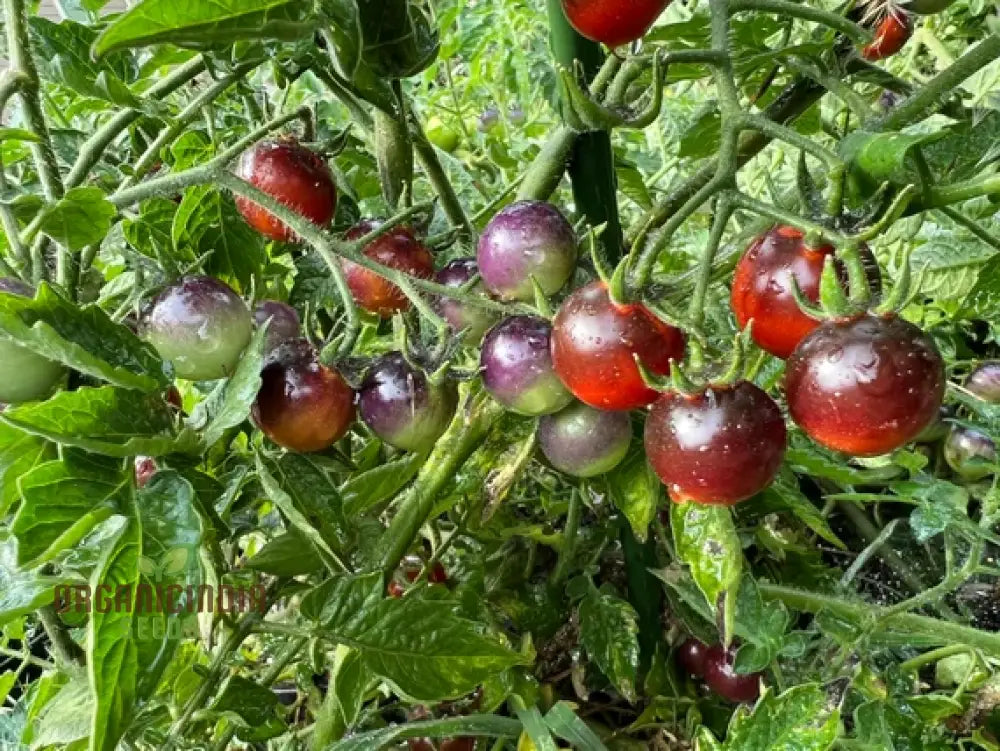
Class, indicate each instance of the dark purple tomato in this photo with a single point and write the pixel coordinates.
(971, 453)
(583, 441)
(762, 287)
(466, 743)
(526, 239)
(294, 176)
(516, 363)
(420, 744)
(403, 406)
(718, 447)
(726, 682)
(285, 324)
(613, 22)
(488, 120)
(984, 382)
(199, 325)
(470, 319)
(145, 468)
(595, 342)
(302, 405)
(865, 386)
(399, 249)
(25, 376)
(691, 657)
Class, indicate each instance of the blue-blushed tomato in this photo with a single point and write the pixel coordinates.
(516, 365)
(583, 441)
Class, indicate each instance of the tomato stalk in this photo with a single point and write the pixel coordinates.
(591, 160)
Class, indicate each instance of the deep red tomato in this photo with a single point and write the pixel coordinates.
(865, 386)
(613, 22)
(890, 35)
(420, 744)
(302, 405)
(395, 589)
(691, 657)
(594, 342)
(437, 574)
(718, 447)
(466, 743)
(726, 682)
(762, 287)
(399, 249)
(294, 176)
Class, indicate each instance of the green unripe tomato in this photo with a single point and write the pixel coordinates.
(201, 326)
(24, 375)
(442, 135)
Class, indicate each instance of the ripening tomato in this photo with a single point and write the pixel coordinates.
(718, 447)
(725, 681)
(891, 34)
(398, 249)
(294, 176)
(613, 22)
(971, 453)
(762, 287)
(984, 382)
(583, 441)
(691, 657)
(302, 405)
(595, 341)
(866, 385)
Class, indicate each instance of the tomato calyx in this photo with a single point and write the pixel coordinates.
(693, 382)
(582, 113)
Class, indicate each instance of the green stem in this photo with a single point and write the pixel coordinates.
(931, 96)
(67, 651)
(778, 214)
(472, 421)
(723, 211)
(546, 172)
(591, 159)
(573, 515)
(797, 10)
(450, 203)
(926, 629)
(914, 664)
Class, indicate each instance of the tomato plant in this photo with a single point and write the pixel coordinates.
(451, 375)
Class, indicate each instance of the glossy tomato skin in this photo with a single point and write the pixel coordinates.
(516, 365)
(465, 743)
(399, 249)
(726, 682)
(763, 287)
(984, 382)
(302, 405)
(471, 320)
(971, 453)
(402, 406)
(594, 342)
(613, 22)
(691, 657)
(524, 240)
(24, 375)
(294, 176)
(865, 386)
(718, 447)
(201, 326)
(584, 442)
(891, 35)
(285, 324)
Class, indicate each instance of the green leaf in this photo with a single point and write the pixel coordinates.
(801, 719)
(886, 728)
(108, 421)
(367, 489)
(484, 725)
(609, 632)
(62, 501)
(80, 218)
(22, 592)
(253, 708)
(707, 541)
(785, 492)
(85, 339)
(537, 730)
(881, 156)
(229, 404)
(350, 682)
(420, 646)
(207, 223)
(194, 22)
(171, 538)
(19, 453)
(61, 711)
(296, 518)
(290, 554)
(636, 492)
(18, 134)
(112, 656)
(565, 724)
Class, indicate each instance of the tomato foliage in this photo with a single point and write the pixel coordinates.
(435, 374)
